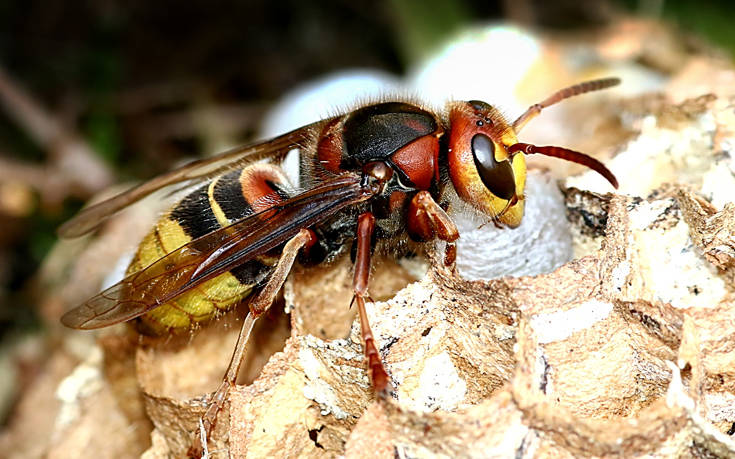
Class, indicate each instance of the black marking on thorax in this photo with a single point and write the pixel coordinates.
(375, 132)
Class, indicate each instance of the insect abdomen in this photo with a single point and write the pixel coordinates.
(223, 201)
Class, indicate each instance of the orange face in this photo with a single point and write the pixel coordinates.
(482, 170)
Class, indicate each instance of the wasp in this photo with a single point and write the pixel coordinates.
(376, 177)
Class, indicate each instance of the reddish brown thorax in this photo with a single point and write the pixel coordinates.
(400, 134)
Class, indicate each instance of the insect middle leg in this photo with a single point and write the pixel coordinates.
(376, 370)
(257, 307)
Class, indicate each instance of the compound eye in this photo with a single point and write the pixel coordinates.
(496, 175)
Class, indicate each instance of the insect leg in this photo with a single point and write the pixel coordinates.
(258, 306)
(426, 220)
(378, 375)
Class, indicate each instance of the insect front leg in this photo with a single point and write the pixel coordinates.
(378, 376)
(258, 306)
(427, 220)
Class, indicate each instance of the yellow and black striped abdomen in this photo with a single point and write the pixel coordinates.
(223, 201)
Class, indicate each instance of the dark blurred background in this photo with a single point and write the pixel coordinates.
(97, 92)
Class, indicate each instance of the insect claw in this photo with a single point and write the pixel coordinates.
(386, 393)
(381, 381)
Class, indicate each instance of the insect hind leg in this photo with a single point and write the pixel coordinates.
(258, 306)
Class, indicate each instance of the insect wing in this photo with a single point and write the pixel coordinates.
(197, 171)
(215, 253)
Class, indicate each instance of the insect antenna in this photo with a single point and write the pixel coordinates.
(568, 155)
(558, 96)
